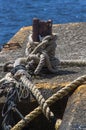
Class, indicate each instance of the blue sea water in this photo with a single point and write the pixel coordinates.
(15, 14)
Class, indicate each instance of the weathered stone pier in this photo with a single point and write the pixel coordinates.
(71, 45)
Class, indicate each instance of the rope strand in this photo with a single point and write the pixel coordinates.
(38, 96)
(73, 62)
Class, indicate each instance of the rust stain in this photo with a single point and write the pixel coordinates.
(81, 87)
(49, 85)
(27, 28)
(18, 39)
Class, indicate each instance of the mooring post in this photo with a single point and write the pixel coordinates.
(35, 35)
(45, 28)
(49, 27)
(41, 28)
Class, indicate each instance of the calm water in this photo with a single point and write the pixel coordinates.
(15, 14)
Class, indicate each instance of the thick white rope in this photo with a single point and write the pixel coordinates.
(73, 62)
(38, 96)
(40, 65)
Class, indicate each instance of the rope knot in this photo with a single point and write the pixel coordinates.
(17, 68)
(18, 71)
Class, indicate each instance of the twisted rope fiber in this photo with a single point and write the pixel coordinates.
(44, 60)
(24, 60)
(9, 78)
(47, 44)
(41, 64)
(33, 47)
(58, 95)
(38, 96)
(22, 75)
(48, 63)
(73, 62)
(42, 45)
